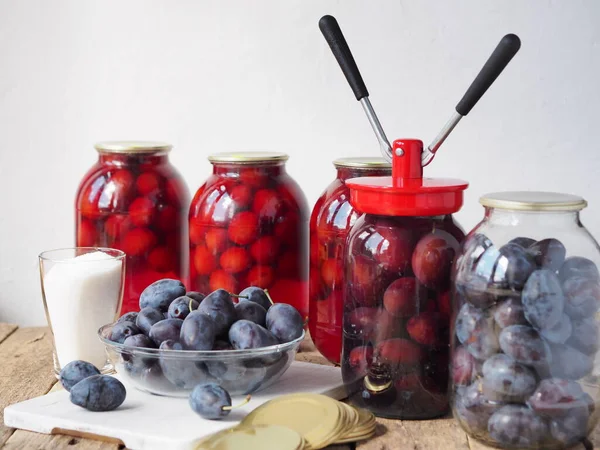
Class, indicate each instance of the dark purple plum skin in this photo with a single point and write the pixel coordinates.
(256, 295)
(582, 297)
(543, 299)
(285, 322)
(180, 307)
(244, 335)
(195, 295)
(525, 345)
(505, 380)
(167, 329)
(251, 311)
(515, 425)
(585, 336)
(148, 317)
(198, 332)
(122, 330)
(475, 330)
(128, 317)
(572, 428)
(474, 409)
(569, 363)
(161, 293)
(548, 254)
(98, 393)
(577, 266)
(75, 371)
(219, 306)
(182, 373)
(509, 312)
(208, 401)
(557, 397)
(519, 265)
(559, 333)
(139, 340)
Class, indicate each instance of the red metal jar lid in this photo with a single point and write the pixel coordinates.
(406, 192)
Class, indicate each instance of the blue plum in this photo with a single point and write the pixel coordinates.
(183, 373)
(148, 317)
(577, 266)
(121, 331)
(180, 307)
(285, 322)
(256, 295)
(518, 426)
(161, 293)
(525, 345)
(569, 363)
(556, 397)
(75, 371)
(474, 409)
(139, 340)
(543, 299)
(585, 336)
(98, 393)
(559, 333)
(198, 296)
(244, 335)
(198, 332)
(518, 264)
(251, 311)
(548, 254)
(524, 242)
(167, 329)
(219, 306)
(582, 297)
(509, 312)
(505, 380)
(475, 330)
(128, 317)
(210, 401)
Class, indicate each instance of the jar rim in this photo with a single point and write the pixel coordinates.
(533, 201)
(249, 157)
(133, 147)
(362, 162)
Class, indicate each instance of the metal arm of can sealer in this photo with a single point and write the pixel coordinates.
(507, 48)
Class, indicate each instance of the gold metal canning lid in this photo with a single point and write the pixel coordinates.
(248, 157)
(135, 147)
(533, 201)
(362, 162)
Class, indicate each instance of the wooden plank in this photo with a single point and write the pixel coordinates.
(6, 329)
(22, 440)
(26, 370)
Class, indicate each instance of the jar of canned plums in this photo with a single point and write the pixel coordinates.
(249, 227)
(398, 261)
(134, 200)
(525, 337)
(331, 220)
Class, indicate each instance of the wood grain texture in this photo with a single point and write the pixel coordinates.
(6, 329)
(22, 440)
(26, 369)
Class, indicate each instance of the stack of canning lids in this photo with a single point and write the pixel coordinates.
(296, 421)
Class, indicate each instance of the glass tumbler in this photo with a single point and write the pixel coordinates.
(82, 289)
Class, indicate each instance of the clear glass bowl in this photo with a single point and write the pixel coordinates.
(175, 373)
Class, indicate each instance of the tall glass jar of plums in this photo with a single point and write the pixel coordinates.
(330, 221)
(398, 262)
(249, 227)
(134, 200)
(525, 337)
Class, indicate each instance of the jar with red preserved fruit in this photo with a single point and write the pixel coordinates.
(249, 227)
(398, 262)
(134, 200)
(331, 219)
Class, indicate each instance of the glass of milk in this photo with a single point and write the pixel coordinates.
(82, 289)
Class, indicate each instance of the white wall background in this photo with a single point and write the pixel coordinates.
(216, 75)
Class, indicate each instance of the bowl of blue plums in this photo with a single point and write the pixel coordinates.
(179, 339)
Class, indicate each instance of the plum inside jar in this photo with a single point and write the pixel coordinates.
(397, 314)
(249, 227)
(331, 220)
(134, 200)
(525, 335)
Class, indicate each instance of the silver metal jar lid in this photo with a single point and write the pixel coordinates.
(533, 201)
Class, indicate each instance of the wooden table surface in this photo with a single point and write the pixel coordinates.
(26, 372)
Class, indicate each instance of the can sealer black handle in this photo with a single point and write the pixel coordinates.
(507, 48)
(335, 38)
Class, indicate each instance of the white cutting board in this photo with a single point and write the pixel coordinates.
(146, 421)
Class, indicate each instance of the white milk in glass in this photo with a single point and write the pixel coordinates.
(82, 294)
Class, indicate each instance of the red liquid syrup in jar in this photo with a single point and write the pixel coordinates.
(249, 227)
(134, 200)
(398, 261)
(331, 220)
